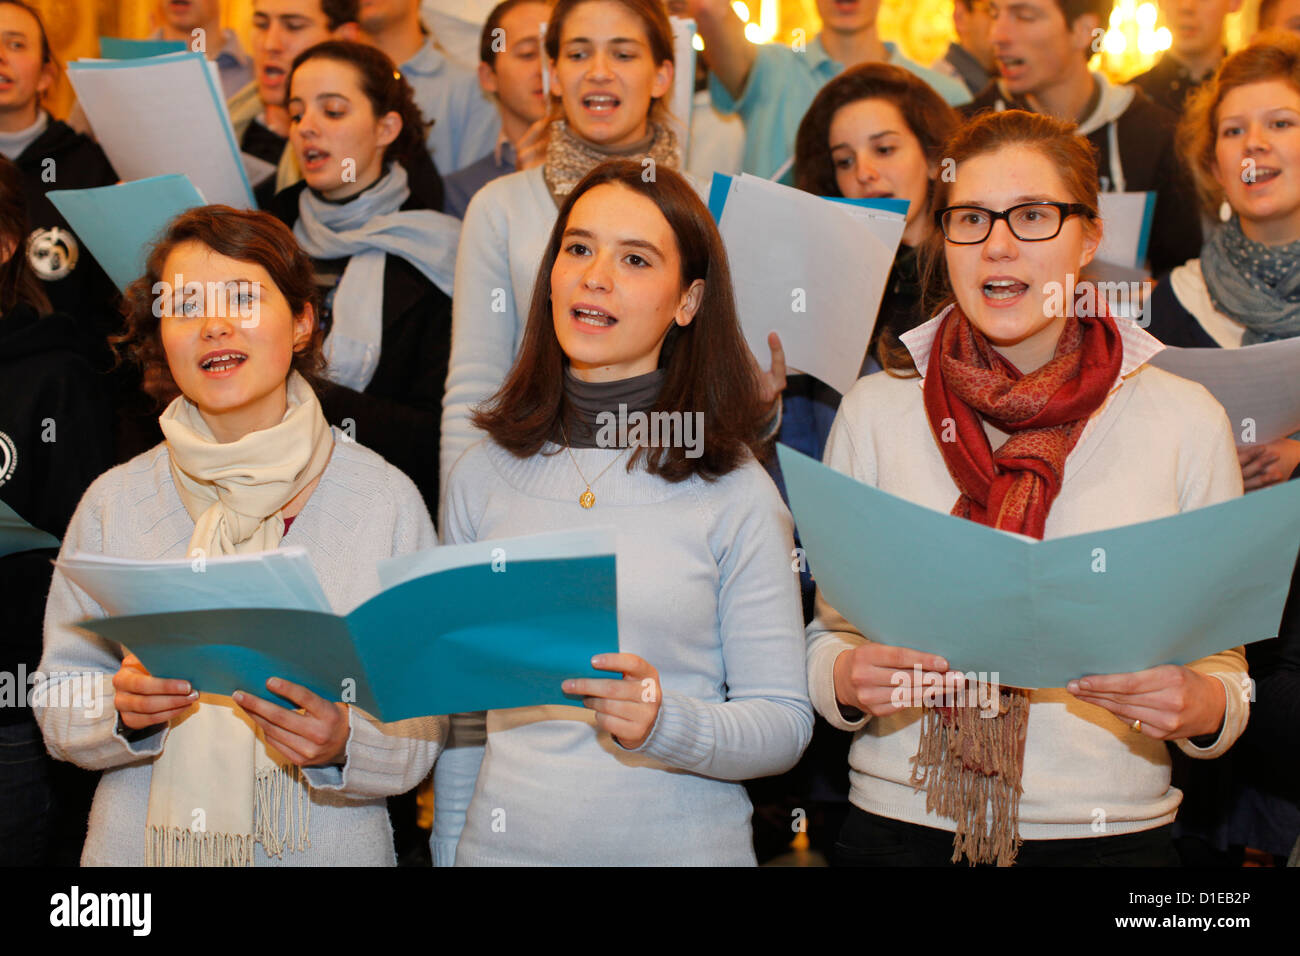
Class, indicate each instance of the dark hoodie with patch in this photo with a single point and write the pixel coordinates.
(1125, 124)
(62, 158)
(55, 439)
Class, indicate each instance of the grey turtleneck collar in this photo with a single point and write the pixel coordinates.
(588, 399)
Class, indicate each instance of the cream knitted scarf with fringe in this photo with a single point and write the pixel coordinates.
(215, 789)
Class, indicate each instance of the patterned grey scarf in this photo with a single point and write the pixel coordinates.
(1255, 284)
(569, 157)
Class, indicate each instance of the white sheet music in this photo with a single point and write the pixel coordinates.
(161, 115)
(1256, 384)
(811, 270)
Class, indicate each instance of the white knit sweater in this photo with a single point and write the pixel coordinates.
(706, 594)
(1158, 446)
(502, 241)
(363, 510)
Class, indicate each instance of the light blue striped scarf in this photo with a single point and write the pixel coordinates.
(365, 230)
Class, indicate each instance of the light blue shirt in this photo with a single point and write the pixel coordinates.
(465, 121)
(234, 66)
(781, 87)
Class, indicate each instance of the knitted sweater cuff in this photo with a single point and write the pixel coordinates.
(683, 734)
(369, 769)
(821, 685)
(1235, 713)
(145, 742)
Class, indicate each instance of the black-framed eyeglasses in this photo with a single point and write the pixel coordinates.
(1028, 221)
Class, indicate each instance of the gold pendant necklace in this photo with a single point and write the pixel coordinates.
(587, 499)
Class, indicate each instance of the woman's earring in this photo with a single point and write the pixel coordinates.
(1225, 211)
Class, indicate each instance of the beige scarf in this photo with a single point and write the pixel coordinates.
(570, 157)
(215, 789)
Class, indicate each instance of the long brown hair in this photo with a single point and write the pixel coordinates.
(18, 282)
(707, 365)
(657, 28)
(385, 88)
(1073, 157)
(929, 118)
(255, 237)
(1273, 56)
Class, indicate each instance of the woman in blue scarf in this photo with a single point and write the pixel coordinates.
(1241, 132)
(368, 213)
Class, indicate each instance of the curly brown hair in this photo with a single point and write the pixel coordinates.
(1272, 56)
(254, 237)
(18, 283)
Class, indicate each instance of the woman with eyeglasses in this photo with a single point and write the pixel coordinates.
(1037, 413)
(875, 131)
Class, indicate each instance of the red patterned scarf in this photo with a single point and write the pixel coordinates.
(967, 762)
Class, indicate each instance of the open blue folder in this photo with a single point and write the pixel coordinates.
(720, 187)
(119, 48)
(119, 223)
(17, 535)
(490, 634)
(1040, 613)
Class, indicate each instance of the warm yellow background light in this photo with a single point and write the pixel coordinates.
(921, 28)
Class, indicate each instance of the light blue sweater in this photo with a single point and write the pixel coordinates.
(502, 242)
(706, 594)
(362, 510)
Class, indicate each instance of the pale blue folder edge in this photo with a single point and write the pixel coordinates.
(278, 579)
(1036, 613)
(117, 48)
(118, 223)
(720, 187)
(216, 95)
(499, 553)
(18, 535)
(1144, 239)
(467, 638)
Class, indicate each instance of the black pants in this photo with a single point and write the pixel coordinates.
(871, 840)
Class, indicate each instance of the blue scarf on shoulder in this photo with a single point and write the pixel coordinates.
(1255, 284)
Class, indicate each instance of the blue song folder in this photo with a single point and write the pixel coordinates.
(119, 48)
(17, 535)
(119, 223)
(458, 628)
(1040, 613)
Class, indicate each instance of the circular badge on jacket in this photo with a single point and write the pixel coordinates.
(8, 458)
(52, 252)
